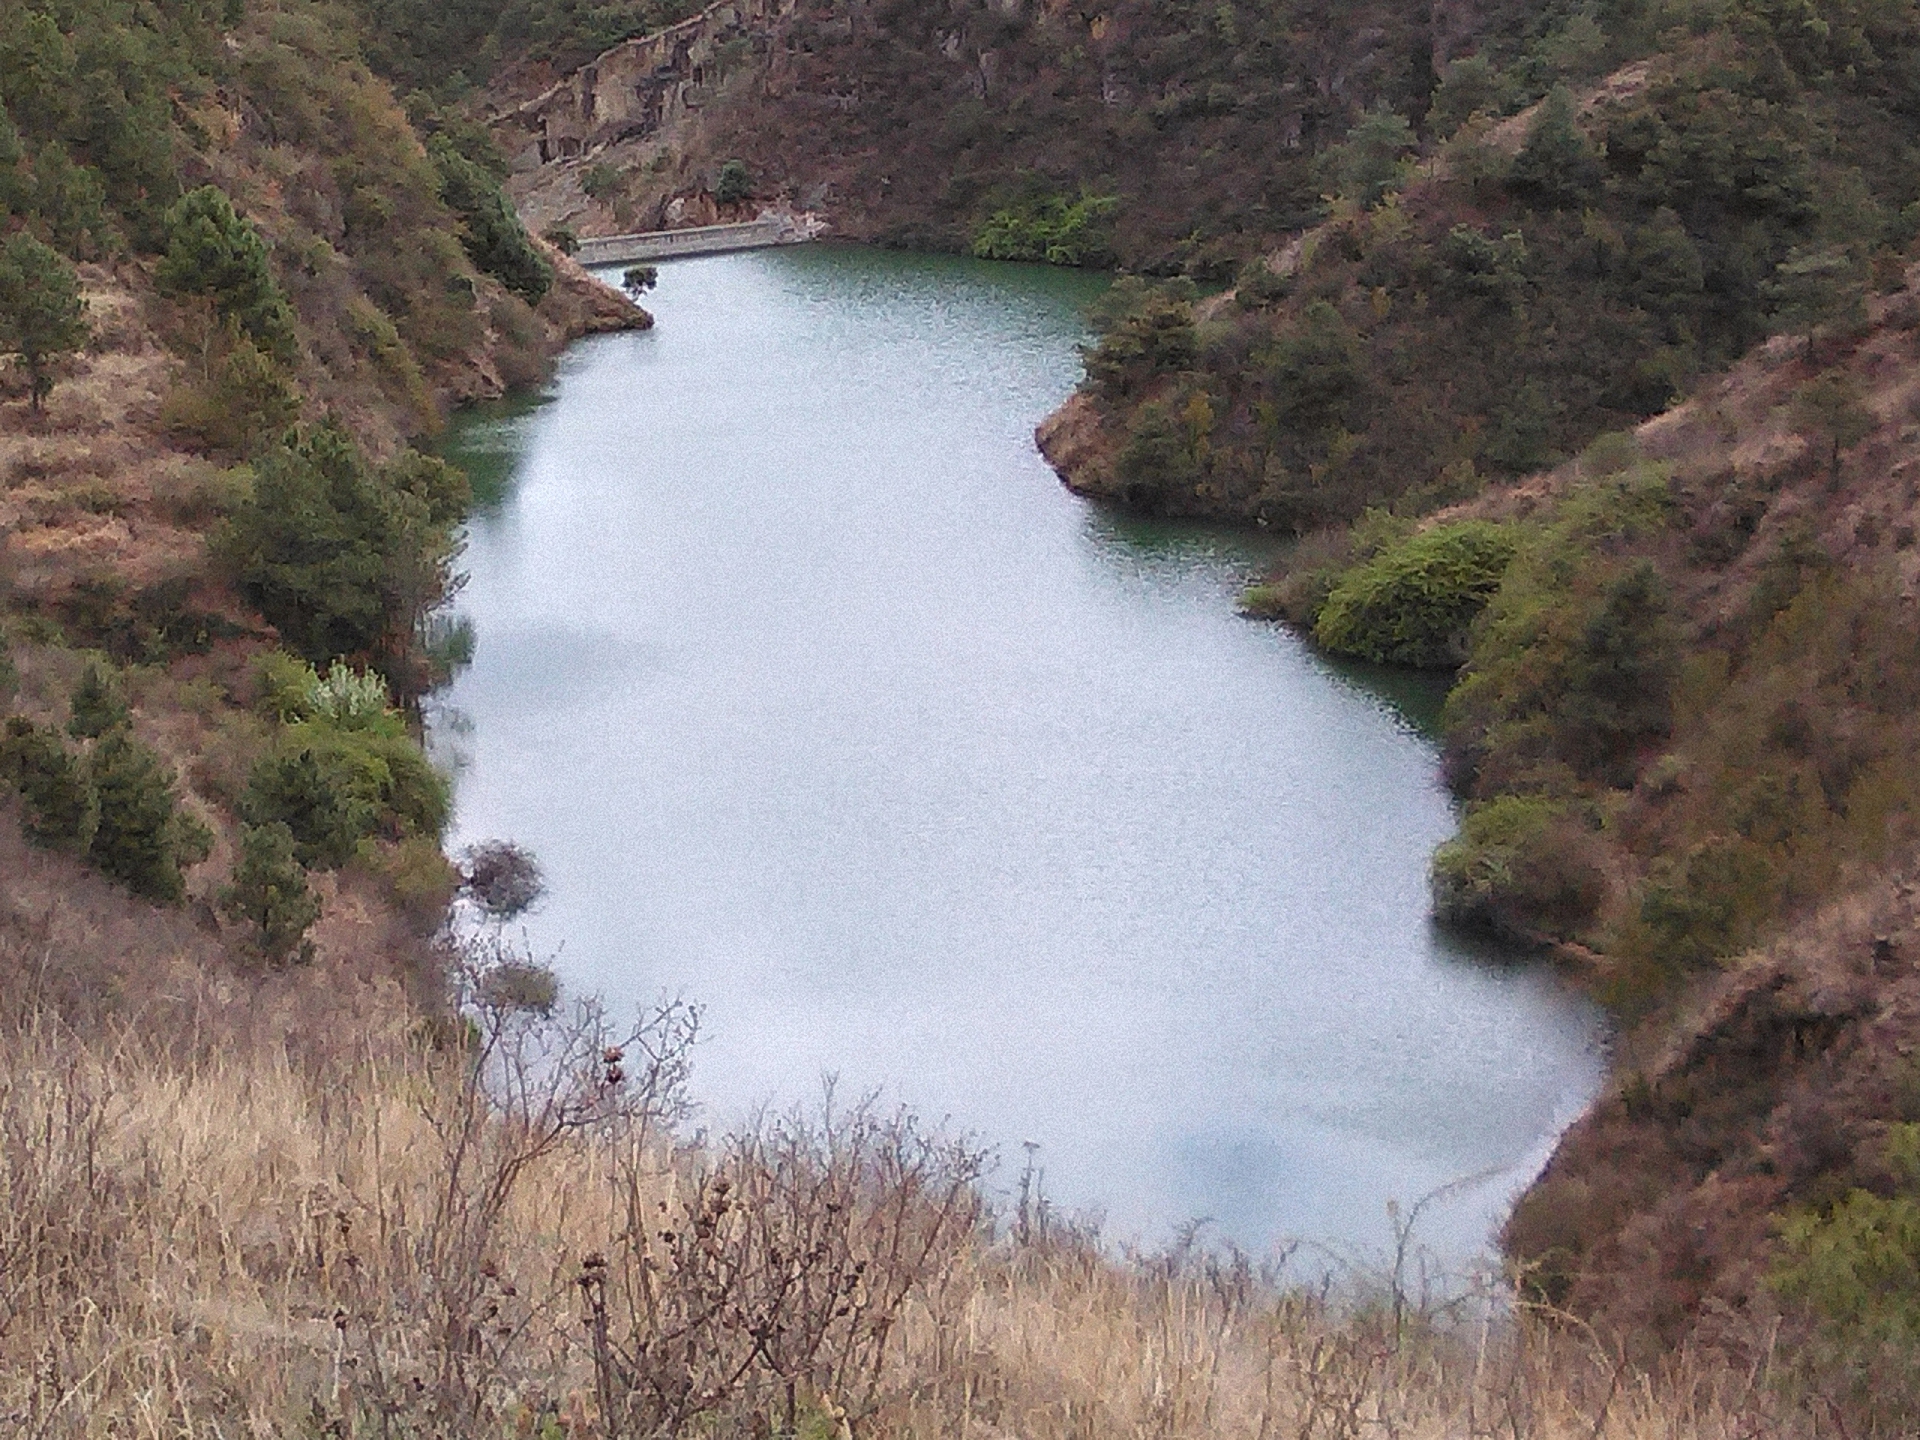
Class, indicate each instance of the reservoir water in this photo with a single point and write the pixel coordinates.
(823, 704)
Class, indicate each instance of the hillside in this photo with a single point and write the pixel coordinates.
(272, 267)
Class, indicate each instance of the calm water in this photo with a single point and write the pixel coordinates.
(825, 705)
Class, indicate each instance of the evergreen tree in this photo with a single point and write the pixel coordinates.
(1557, 166)
(490, 231)
(316, 798)
(97, 706)
(42, 315)
(56, 795)
(270, 893)
(214, 251)
(142, 839)
(1815, 287)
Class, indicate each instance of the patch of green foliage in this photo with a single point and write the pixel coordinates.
(1050, 228)
(343, 767)
(490, 231)
(96, 706)
(733, 185)
(1574, 662)
(344, 558)
(1853, 1269)
(1522, 867)
(215, 252)
(1415, 602)
(113, 804)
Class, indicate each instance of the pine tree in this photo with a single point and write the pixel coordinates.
(56, 794)
(142, 839)
(42, 314)
(270, 893)
(97, 706)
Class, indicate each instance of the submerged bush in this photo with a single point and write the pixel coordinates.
(1415, 602)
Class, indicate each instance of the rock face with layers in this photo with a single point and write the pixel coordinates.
(638, 87)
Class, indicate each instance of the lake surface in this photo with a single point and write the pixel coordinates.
(825, 705)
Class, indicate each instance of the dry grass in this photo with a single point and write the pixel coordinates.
(296, 1204)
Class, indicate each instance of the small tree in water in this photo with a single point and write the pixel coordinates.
(639, 279)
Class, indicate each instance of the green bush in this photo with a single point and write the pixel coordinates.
(318, 796)
(1523, 866)
(245, 401)
(284, 686)
(335, 787)
(490, 231)
(342, 559)
(1575, 660)
(1854, 1272)
(42, 315)
(1415, 602)
(269, 892)
(733, 185)
(142, 839)
(1050, 228)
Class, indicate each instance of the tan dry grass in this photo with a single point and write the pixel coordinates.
(255, 1208)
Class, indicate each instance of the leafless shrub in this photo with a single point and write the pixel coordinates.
(502, 878)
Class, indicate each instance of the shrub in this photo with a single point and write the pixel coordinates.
(245, 401)
(56, 794)
(600, 181)
(1523, 866)
(270, 893)
(1854, 1272)
(96, 706)
(733, 185)
(285, 686)
(1145, 332)
(490, 231)
(334, 788)
(639, 279)
(562, 238)
(42, 315)
(342, 559)
(1414, 602)
(317, 796)
(1372, 159)
(351, 700)
(1557, 165)
(142, 839)
(420, 880)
